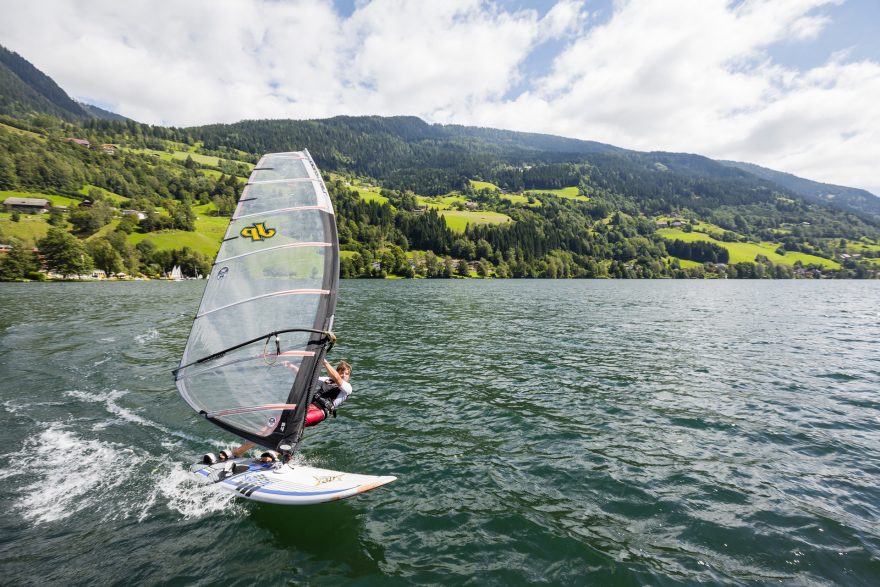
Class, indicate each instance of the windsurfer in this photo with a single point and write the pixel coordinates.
(334, 390)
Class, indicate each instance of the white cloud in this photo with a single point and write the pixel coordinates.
(565, 17)
(686, 75)
(423, 58)
(695, 76)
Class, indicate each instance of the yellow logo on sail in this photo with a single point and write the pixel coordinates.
(257, 232)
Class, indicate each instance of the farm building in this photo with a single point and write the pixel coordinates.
(30, 205)
(80, 142)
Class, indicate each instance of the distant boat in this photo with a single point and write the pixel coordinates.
(176, 274)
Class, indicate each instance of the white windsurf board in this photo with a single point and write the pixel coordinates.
(285, 484)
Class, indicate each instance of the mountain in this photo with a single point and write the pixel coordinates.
(407, 153)
(530, 141)
(24, 89)
(97, 112)
(852, 199)
(432, 159)
(457, 199)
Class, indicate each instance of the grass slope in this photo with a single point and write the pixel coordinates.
(206, 239)
(209, 160)
(370, 194)
(112, 196)
(520, 200)
(22, 132)
(572, 193)
(28, 230)
(746, 252)
(441, 202)
(457, 220)
(483, 185)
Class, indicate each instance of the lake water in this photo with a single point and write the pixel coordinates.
(567, 432)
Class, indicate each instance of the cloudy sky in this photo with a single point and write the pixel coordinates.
(789, 84)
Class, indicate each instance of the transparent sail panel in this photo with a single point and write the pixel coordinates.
(275, 167)
(260, 232)
(250, 278)
(224, 328)
(265, 197)
(259, 374)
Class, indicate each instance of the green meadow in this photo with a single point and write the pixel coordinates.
(210, 230)
(572, 193)
(704, 227)
(209, 160)
(22, 132)
(112, 196)
(104, 230)
(483, 185)
(367, 192)
(457, 220)
(28, 230)
(862, 247)
(520, 200)
(370, 194)
(441, 202)
(179, 155)
(684, 263)
(746, 252)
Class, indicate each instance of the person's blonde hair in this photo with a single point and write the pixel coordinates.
(343, 365)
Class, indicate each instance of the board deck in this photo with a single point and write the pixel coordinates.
(284, 484)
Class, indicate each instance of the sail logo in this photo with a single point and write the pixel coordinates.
(257, 232)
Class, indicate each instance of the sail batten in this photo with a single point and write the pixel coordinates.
(273, 249)
(289, 292)
(281, 211)
(277, 271)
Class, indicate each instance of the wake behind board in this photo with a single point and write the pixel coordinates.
(284, 484)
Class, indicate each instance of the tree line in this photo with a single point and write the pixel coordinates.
(611, 235)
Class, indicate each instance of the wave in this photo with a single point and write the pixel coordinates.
(59, 474)
(109, 399)
(62, 474)
(147, 336)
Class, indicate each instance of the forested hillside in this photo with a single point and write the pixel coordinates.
(606, 214)
(24, 89)
(412, 199)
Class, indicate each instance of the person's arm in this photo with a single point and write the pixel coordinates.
(344, 385)
(334, 375)
(238, 451)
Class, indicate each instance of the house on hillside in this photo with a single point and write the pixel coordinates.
(29, 205)
(109, 148)
(80, 142)
(136, 213)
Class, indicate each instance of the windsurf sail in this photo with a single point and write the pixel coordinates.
(265, 321)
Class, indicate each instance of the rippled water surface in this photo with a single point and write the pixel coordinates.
(585, 432)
